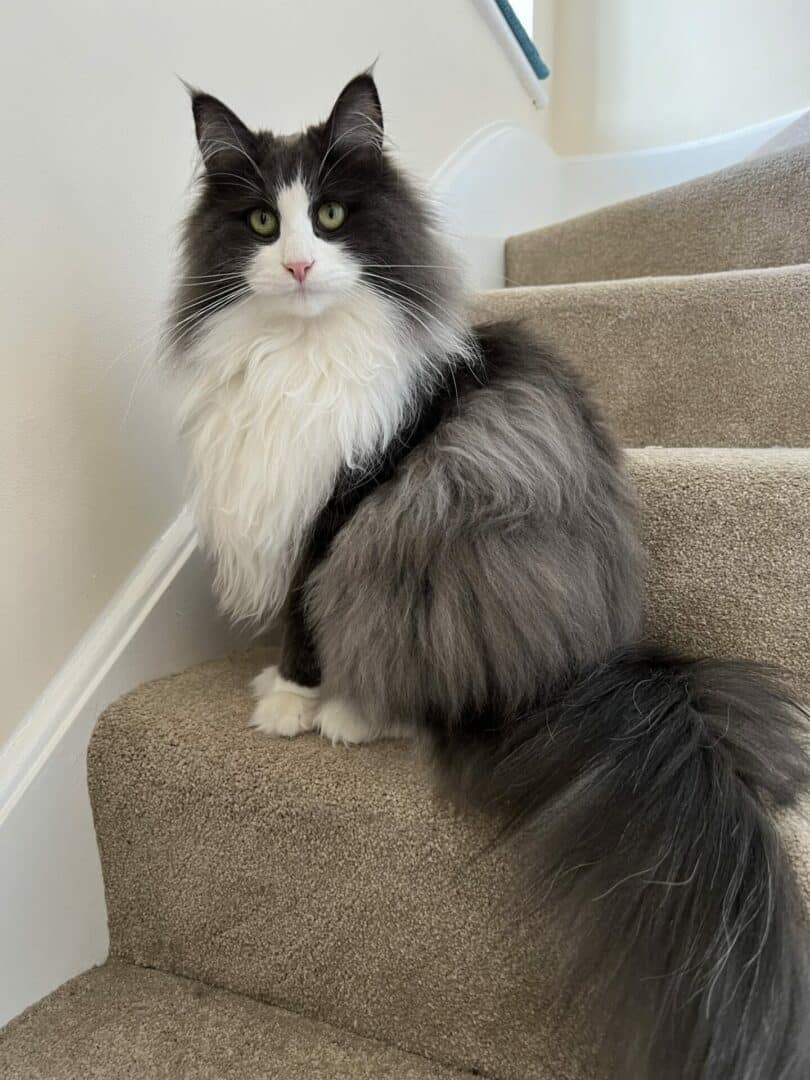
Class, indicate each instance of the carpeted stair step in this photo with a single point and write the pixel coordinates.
(329, 882)
(703, 360)
(754, 214)
(118, 1022)
(334, 884)
(727, 534)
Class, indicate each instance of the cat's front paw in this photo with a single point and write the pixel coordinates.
(283, 709)
(342, 724)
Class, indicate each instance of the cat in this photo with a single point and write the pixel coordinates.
(441, 515)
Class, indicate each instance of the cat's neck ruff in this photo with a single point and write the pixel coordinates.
(273, 408)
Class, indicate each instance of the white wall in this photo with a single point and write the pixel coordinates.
(628, 74)
(97, 151)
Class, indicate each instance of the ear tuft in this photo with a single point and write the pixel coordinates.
(221, 135)
(356, 121)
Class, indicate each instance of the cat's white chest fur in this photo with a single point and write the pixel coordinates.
(272, 411)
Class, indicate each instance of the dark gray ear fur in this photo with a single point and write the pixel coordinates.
(356, 121)
(221, 135)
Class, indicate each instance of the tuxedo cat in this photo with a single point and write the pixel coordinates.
(440, 514)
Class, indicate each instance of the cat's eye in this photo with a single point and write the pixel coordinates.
(263, 222)
(331, 215)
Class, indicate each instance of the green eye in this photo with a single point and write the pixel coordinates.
(331, 215)
(263, 222)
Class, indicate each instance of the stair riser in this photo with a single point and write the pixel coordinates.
(364, 905)
(693, 361)
(728, 541)
(754, 214)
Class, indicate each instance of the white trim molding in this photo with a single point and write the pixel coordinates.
(56, 710)
(54, 922)
(506, 179)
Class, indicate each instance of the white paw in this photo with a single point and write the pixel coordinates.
(342, 724)
(283, 709)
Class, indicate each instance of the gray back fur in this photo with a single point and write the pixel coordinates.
(501, 556)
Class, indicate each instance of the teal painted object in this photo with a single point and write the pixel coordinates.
(538, 65)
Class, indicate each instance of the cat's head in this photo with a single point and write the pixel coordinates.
(308, 222)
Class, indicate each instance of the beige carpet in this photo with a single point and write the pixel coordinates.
(728, 538)
(327, 881)
(704, 360)
(120, 1022)
(755, 214)
(332, 883)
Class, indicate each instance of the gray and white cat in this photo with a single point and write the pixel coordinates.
(442, 515)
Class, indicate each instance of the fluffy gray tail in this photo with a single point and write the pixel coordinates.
(645, 793)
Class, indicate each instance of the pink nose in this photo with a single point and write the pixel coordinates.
(299, 270)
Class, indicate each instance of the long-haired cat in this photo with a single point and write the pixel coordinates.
(442, 515)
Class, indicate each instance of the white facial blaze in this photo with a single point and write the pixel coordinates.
(297, 239)
(331, 277)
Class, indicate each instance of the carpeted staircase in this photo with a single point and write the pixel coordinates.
(298, 910)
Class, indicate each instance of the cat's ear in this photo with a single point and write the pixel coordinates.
(356, 121)
(221, 135)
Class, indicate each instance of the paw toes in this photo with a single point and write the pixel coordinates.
(342, 725)
(284, 715)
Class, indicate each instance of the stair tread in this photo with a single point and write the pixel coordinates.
(120, 1020)
(753, 214)
(695, 360)
(204, 711)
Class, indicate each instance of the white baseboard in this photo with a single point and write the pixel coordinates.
(53, 920)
